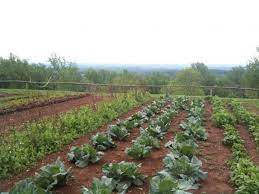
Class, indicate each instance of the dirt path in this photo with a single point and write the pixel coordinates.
(214, 156)
(250, 144)
(81, 176)
(18, 118)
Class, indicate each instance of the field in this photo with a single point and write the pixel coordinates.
(136, 143)
(15, 99)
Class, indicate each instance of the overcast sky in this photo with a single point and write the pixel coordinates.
(131, 31)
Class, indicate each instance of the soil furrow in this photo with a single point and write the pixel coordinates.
(250, 144)
(214, 156)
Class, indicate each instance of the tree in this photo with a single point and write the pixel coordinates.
(236, 76)
(207, 78)
(189, 77)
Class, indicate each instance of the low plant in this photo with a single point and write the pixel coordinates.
(84, 155)
(52, 175)
(27, 186)
(118, 132)
(99, 186)
(164, 183)
(148, 141)
(124, 175)
(153, 130)
(102, 141)
(138, 151)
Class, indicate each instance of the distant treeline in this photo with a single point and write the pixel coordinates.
(59, 69)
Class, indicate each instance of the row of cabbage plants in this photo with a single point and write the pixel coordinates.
(118, 177)
(244, 173)
(182, 169)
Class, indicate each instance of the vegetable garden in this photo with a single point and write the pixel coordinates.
(132, 145)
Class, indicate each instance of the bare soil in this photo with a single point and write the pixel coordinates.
(44, 110)
(250, 144)
(214, 156)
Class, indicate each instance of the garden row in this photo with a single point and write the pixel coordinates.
(247, 118)
(23, 148)
(244, 173)
(182, 169)
(55, 174)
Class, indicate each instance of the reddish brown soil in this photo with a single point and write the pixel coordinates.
(81, 176)
(214, 156)
(250, 144)
(42, 111)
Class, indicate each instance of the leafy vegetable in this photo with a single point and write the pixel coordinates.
(138, 151)
(166, 184)
(154, 131)
(118, 132)
(27, 186)
(124, 175)
(102, 141)
(148, 141)
(52, 175)
(84, 155)
(184, 168)
(103, 186)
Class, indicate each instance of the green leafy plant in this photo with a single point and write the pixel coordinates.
(222, 118)
(164, 183)
(124, 175)
(118, 132)
(154, 131)
(52, 175)
(27, 186)
(138, 151)
(184, 168)
(148, 141)
(102, 141)
(103, 186)
(84, 155)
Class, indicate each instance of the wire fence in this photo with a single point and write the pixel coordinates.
(223, 91)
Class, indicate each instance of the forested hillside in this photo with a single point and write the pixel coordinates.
(59, 69)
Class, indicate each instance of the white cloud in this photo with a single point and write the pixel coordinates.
(131, 31)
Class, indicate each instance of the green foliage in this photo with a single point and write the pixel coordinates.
(222, 118)
(231, 136)
(103, 186)
(244, 116)
(124, 175)
(154, 131)
(183, 145)
(52, 175)
(147, 141)
(102, 141)
(24, 147)
(183, 167)
(118, 132)
(84, 155)
(164, 183)
(192, 126)
(138, 151)
(27, 186)
(189, 77)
